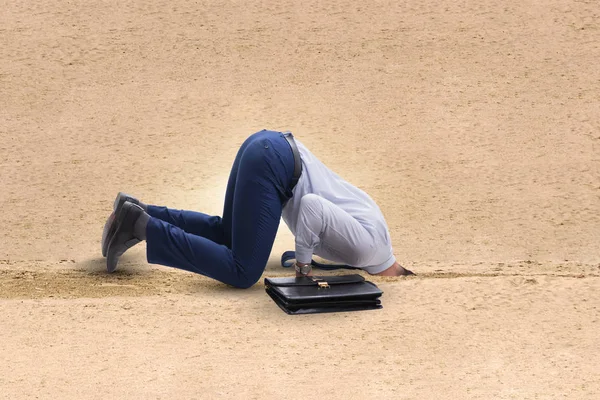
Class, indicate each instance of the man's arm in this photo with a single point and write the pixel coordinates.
(308, 228)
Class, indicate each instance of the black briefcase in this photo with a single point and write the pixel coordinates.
(320, 294)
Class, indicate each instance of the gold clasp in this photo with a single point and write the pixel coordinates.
(322, 284)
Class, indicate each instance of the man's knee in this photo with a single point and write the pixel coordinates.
(246, 277)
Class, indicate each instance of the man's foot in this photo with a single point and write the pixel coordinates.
(107, 233)
(126, 232)
(122, 198)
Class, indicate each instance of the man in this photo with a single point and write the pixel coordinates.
(273, 176)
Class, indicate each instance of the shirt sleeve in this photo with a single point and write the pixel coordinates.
(308, 227)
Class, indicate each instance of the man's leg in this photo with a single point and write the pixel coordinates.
(263, 173)
(193, 222)
(215, 228)
(211, 227)
(227, 220)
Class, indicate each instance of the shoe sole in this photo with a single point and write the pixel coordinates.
(109, 227)
(108, 232)
(112, 257)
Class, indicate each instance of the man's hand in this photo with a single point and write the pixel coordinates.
(396, 270)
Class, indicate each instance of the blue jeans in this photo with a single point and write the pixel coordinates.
(233, 249)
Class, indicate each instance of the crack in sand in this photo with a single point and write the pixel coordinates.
(83, 284)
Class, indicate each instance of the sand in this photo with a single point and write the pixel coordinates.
(474, 125)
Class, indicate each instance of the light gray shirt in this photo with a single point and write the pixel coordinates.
(335, 220)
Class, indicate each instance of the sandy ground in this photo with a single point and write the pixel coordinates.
(474, 125)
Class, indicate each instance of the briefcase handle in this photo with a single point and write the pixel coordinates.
(321, 281)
